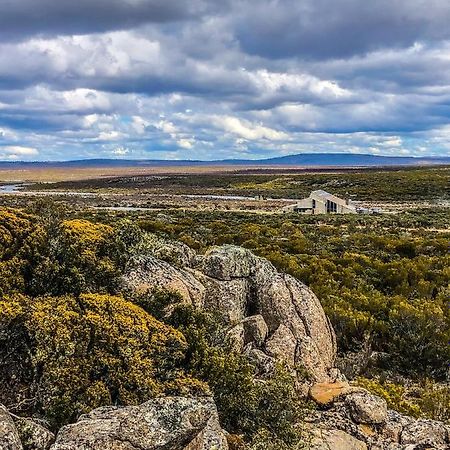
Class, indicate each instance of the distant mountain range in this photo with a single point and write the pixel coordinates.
(304, 159)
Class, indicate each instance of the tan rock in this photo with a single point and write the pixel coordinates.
(326, 393)
(335, 440)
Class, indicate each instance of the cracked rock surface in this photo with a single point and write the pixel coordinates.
(274, 313)
(170, 423)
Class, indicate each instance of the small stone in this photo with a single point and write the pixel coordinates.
(255, 330)
(335, 440)
(265, 364)
(366, 408)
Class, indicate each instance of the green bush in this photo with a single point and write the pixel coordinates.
(427, 399)
(80, 258)
(247, 405)
(22, 239)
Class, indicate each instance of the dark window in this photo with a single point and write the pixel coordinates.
(331, 206)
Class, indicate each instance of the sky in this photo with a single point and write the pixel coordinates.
(199, 79)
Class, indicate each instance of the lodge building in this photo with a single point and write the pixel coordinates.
(322, 202)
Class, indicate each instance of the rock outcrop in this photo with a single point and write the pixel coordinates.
(171, 423)
(267, 311)
(271, 316)
(365, 417)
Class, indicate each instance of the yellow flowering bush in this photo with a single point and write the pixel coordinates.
(95, 350)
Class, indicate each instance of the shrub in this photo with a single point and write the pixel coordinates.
(21, 241)
(425, 399)
(81, 257)
(95, 350)
(418, 338)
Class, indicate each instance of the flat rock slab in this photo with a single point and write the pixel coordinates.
(327, 393)
(335, 440)
(170, 423)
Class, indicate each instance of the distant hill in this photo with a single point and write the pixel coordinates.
(304, 159)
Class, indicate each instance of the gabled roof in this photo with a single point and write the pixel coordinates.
(324, 194)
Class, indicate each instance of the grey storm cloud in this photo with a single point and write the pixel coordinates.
(322, 29)
(23, 18)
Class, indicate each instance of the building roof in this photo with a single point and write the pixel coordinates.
(324, 195)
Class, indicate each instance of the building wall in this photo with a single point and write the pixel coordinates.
(317, 204)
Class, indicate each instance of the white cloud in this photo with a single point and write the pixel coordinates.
(186, 143)
(121, 151)
(16, 152)
(246, 129)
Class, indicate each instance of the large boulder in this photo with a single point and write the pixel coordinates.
(278, 314)
(9, 437)
(171, 423)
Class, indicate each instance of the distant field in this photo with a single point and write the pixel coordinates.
(56, 174)
(385, 185)
(59, 174)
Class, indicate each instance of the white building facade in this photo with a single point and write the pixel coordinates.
(322, 202)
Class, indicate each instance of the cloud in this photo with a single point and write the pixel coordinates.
(22, 18)
(121, 151)
(209, 79)
(247, 130)
(16, 152)
(322, 29)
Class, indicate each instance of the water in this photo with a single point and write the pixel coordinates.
(217, 197)
(10, 188)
